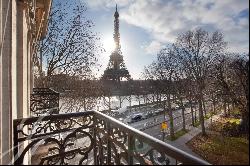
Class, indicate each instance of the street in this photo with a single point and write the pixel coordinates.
(153, 128)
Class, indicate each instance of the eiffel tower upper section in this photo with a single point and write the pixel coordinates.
(116, 69)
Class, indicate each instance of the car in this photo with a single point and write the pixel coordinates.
(158, 110)
(136, 118)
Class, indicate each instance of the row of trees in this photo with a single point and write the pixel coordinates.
(197, 67)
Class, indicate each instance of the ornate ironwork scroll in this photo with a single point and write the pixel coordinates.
(90, 138)
(60, 139)
(44, 101)
(114, 147)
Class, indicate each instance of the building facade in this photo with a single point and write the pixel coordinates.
(22, 24)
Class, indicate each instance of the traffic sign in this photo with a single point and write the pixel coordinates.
(164, 125)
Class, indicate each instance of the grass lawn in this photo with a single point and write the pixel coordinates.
(178, 134)
(218, 126)
(208, 115)
(221, 150)
(196, 124)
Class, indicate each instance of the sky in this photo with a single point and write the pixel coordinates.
(146, 26)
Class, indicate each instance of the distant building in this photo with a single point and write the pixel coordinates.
(22, 24)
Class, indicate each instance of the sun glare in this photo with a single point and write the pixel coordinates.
(109, 44)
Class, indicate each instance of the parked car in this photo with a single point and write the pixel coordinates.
(136, 118)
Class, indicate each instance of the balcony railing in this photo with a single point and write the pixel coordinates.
(44, 101)
(88, 138)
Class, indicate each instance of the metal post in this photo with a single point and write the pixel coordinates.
(130, 103)
(163, 135)
(195, 118)
(108, 145)
(109, 104)
(139, 101)
(131, 143)
(15, 137)
(94, 139)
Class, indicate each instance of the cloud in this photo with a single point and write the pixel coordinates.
(164, 20)
(153, 48)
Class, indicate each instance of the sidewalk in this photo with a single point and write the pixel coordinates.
(193, 131)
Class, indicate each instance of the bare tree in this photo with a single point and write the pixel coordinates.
(70, 46)
(241, 70)
(68, 56)
(232, 76)
(163, 70)
(180, 93)
(190, 96)
(178, 81)
(197, 51)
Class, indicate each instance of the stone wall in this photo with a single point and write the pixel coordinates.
(17, 40)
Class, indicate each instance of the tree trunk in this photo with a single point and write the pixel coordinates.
(225, 108)
(204, 107)
(233, 106)
(139, 101)
(195, 115)
(214, 107)
(159, 101)
(183, 118)
(109, 104)
(245, 122)
(46, 81)
(120, 101)
(171, 121)
(174, 98)
(130, 100)
(183, 114)
(192, 112)
(201, 117)
(245, 118)
(228, 109)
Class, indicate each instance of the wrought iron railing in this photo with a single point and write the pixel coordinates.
(89, 138)
(44, 101)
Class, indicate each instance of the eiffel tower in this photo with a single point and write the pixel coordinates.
(116, 69)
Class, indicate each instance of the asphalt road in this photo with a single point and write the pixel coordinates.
(155, 131)
(152, 125)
